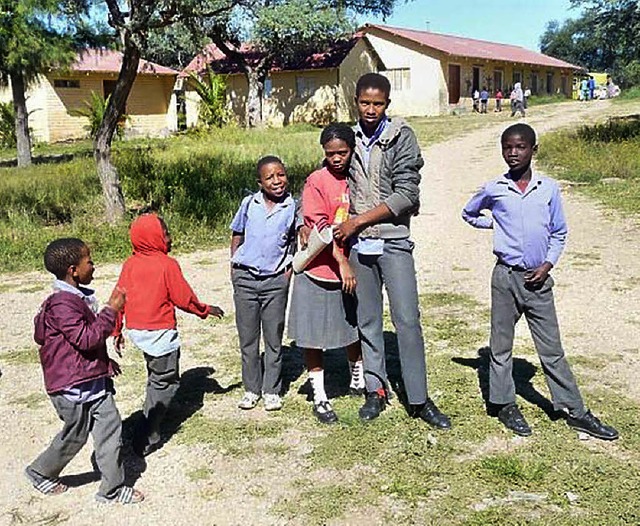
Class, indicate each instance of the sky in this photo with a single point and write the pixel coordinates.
(520, 23)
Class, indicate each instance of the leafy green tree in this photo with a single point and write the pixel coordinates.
(7, 125)
(603, 38)
(285, 30)
(134, 21)
(35, 35)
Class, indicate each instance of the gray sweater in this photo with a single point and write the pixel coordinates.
(391, 177)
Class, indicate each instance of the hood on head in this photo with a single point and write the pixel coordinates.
(517, 85)
(147, 235)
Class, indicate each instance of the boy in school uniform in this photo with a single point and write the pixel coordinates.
(384, 183)
(262, 246)
(529, 236)
(72, 334)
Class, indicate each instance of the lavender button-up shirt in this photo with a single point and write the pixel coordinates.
(529, 227)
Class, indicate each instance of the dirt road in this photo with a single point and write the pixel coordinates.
(598, 301)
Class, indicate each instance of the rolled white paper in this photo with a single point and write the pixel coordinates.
(316, 244)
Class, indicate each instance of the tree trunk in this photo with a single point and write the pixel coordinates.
(253, 108)
(23, 139)
(111, 189)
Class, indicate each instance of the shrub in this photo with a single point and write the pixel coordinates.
(7, 125)
(212, 90)
(94, 110)
(616, 129)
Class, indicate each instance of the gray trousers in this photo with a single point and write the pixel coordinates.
(260, 305)
(395, 269)
(510, 299)
(100, 418)
(163, 380)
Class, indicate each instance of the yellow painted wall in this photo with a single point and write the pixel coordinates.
(425, 94)
(329, 95)
(149, 109)
(360, 60)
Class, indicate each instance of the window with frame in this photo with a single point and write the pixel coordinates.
(399, 78)
(66, 83)
(517, 77)
(305, 87)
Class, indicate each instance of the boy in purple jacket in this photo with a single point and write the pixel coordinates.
(77, 374)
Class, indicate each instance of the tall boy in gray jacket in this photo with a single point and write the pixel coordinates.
(384, 185)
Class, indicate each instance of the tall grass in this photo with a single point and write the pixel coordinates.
(196, 181)
(605, 158)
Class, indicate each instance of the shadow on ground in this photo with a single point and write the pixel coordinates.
(523, 373)
(189, 399)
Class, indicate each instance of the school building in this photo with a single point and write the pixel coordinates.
(430, 74)
(53, 99)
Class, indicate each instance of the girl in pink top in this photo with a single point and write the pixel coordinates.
(323, 310)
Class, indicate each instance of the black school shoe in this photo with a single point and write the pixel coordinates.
(512, 419)
(373, 406)
(325, 413)
(591, 425)
(430, 413)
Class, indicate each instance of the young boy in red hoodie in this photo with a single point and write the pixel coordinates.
(72, 336)
(155, 287)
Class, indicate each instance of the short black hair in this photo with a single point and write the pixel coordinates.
(339, 130)
(267, 159)
(63, 253)
(524, 130)
(375, 81)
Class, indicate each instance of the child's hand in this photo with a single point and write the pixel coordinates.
(536, 278)
(215, 311)
(114, 368)
(117, 299)
(348, 277)
(118, 343)
(303, 236)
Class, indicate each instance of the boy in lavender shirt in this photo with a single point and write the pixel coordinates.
(262, 245)
(529, 234)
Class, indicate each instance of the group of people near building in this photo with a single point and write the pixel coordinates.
(365, 193)
(518, 99)
(588, 89)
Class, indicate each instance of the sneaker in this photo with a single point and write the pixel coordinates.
(433, 416)
(324, 412)
(591, 425)
(512, 419)
(373, 406)
(272, 402)
(249, 400)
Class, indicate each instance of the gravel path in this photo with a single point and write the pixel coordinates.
(597, 296)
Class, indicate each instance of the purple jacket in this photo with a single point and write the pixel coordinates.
(73, 341)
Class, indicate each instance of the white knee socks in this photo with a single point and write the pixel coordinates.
(317, 383)
(357, 374)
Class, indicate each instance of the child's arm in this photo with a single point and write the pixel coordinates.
(181, 294)
(347, 275)
(472, 212)
(69, 319)
(237, 238)
(558, 228)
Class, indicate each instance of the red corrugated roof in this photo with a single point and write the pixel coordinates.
(212, 55)
(109, 61)
(472, 48)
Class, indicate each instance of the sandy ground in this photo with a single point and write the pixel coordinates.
(597, 295)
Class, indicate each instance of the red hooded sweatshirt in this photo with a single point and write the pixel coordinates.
(153, 281)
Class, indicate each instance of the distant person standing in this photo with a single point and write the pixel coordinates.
(527, 94)
(592, 87)
(476, 101)
(584, 89)
(499, 97)
(517, 100)
(484, 99)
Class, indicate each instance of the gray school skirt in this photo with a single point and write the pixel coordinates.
(321, 315)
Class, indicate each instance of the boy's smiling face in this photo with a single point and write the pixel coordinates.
(273, 181)
(372, 104)
(517, 152)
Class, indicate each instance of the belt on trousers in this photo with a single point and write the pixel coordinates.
(516, 268)
(239, 266)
